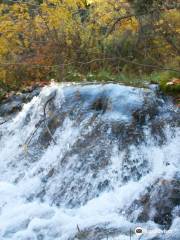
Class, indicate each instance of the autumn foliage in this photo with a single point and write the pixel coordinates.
(40, 40)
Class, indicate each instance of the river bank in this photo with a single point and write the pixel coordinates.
(167, 82)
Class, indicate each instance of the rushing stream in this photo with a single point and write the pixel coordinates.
(90, 162)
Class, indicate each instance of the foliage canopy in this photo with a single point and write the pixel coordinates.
(40, 40)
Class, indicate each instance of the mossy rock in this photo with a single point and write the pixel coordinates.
(167, 87)
(169, 82)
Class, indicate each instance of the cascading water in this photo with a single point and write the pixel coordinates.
(90, 162)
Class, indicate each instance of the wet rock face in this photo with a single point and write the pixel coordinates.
(166, 198)
(90, 153)
(159, 203)
(14, 103)
(105, 137)
(86, 158)
(100, 104)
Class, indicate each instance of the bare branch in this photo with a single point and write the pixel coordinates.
(129, 16)
(5, 121)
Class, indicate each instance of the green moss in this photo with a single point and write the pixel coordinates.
(163, 78)
(173, 89)
(2, 95)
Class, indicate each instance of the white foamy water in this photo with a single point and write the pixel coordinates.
(90, 177)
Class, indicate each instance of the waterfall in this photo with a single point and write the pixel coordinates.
(90, 161)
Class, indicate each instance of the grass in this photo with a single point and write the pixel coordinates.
(105, 75)
(136, 80)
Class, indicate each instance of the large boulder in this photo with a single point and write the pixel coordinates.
(159, 204)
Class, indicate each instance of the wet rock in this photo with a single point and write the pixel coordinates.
(41, 194)
(40, 237)
(14, 103)
(100, 104)
(98, 153)
(11, 106)
(103, 185)
(146, 113)
(96, 233)
(158, 203)
(157, 127)
(88, 158)
(49, 175)
(53, 123)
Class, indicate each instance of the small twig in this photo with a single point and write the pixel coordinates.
(78, 228)
(5, 121)
(28, 140)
